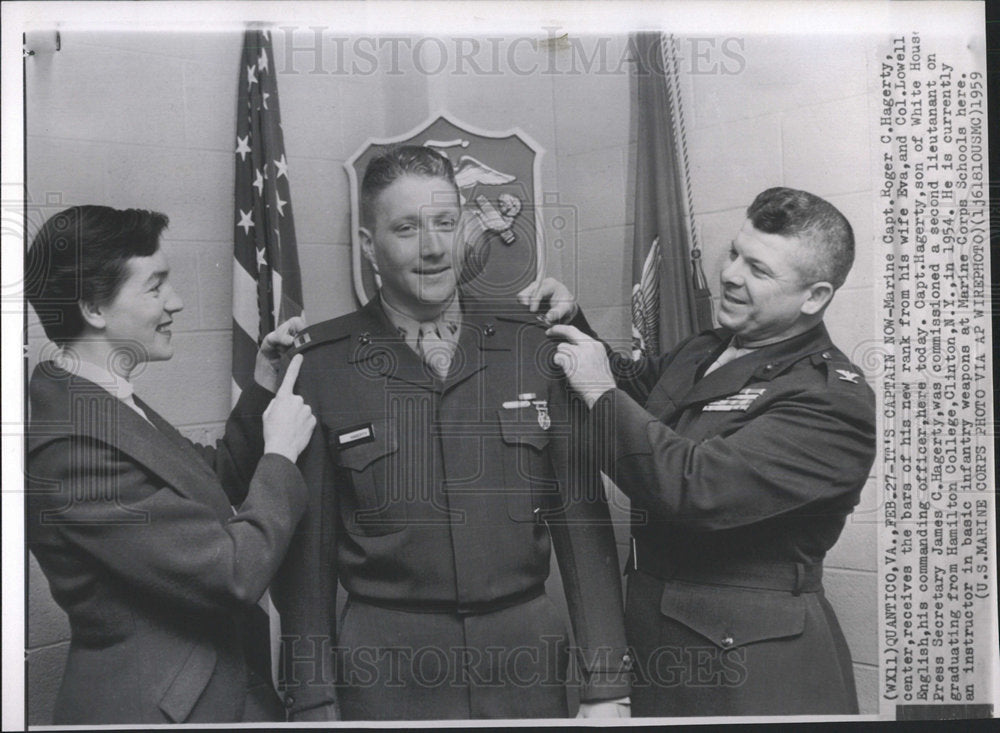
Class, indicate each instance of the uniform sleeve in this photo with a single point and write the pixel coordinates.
(588, 558)
(635, 377)
(234, 457)
(305, 589)
(802, 447)
(109, 510)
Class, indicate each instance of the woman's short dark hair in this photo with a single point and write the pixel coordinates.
(394, 163)
(79, 255)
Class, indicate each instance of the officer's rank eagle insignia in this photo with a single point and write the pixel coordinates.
(847, 376)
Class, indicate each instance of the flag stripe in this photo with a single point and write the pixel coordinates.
(245, 301)
(267, 286)
(245, 350)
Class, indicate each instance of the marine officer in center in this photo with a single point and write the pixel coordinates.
(443, 469)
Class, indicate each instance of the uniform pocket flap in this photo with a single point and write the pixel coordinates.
(359, 445)
(731, 617)
(189, 682)
(524, 425)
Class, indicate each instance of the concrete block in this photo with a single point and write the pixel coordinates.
(364, 113)
(312, 116)
(716, 232)
(193, 187)
(83, 93)
(857, 548)
(852, 321)
(594, 183)
(194, 386)
(592, 79)
(47, 623)
(50, 189)
(43, 677)
(500, 103)
(613, 324)
(857, 208)
(183, 260)
(320, 201)
(601, 276)
(219, 47)
(866, 682)
(854, 597)
(209, 119)
(215, 285)
(734, 161)
(826, 67)
(327, 282)
(825, 147)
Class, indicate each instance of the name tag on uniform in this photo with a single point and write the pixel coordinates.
(738, 402)
(355, 435)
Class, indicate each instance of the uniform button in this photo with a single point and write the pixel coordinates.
(627, 660)
(825, 354)
(365, 339)
(490, 329)
(769, 367)
(289, 701)
(727, 642)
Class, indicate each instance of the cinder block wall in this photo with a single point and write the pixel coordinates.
(148, 120)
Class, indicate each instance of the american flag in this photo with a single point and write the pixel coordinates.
(267, 286)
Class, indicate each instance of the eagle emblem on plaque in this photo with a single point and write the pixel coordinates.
(498, 175)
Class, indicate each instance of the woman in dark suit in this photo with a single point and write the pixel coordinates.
(132, 524)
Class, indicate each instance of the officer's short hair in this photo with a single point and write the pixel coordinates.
(394, 163)
(79, 255)
(817, 223)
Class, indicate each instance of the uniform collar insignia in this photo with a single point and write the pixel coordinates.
(847, 376)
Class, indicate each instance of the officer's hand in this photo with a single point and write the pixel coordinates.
(275, 344)
(288, 421)
(557, 298)
(620, 708)
(584, 362)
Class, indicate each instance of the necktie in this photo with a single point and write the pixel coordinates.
(434, 350)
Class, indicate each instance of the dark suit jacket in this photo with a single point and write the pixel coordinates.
(432, 494)
(134, 529)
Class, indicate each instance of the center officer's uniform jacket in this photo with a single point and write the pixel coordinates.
(434, 502)
(133, 526)
(742, 479)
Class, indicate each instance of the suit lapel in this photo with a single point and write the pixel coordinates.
(84, 408)
(727, 379)
(672, 391)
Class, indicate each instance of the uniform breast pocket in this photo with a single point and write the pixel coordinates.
(527, 468)
(373, 503)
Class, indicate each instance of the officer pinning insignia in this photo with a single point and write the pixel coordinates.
(847, 376)
(738, 402)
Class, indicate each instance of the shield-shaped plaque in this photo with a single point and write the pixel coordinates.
(498, 176)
